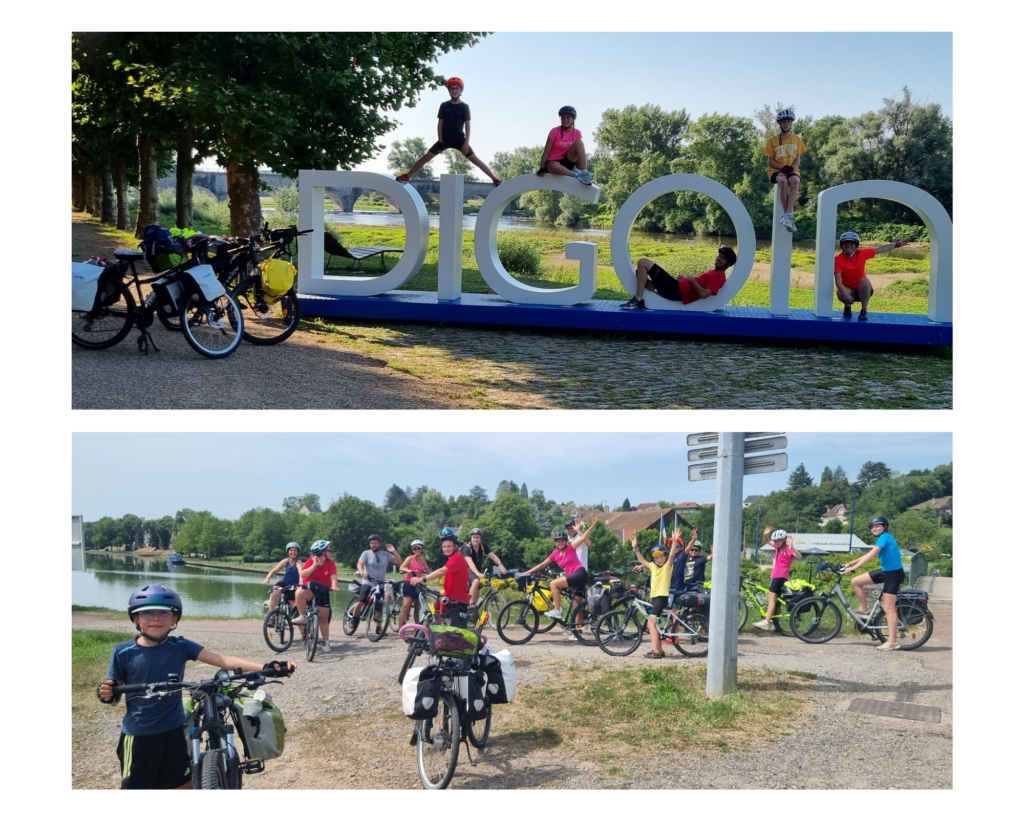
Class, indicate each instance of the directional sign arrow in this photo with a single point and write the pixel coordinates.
(710, 453)
(752, 465)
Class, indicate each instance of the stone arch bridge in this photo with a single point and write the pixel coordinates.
(216, 183)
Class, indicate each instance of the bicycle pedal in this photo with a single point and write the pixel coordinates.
(253, 766)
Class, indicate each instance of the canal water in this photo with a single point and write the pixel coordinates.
(110, 579)
(387, 219)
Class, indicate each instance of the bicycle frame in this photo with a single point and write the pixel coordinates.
(672, 614)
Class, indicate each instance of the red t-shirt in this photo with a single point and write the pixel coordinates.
(456, 581)
(321, 574)
(713, 280)
(852, 269)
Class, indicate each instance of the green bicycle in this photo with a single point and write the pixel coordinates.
(755, 596)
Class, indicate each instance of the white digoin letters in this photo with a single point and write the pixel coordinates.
(313, 281)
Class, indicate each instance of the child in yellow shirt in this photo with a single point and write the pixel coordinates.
(783, 151)
(661, 577)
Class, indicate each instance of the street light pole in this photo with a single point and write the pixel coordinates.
(757, 537)
(853, 511)
(725, 573)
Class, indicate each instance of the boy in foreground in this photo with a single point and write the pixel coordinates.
(152, 749)
(687, 289)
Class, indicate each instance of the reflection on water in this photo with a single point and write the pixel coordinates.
(110, 579)
(387, 219)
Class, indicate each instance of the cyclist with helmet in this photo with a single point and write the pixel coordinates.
(152, 748)
(661, 574)
(564, 556)
(452, 133)
(414, 566)
(689, 572)
(455, 572)
(783, 151)
(785, 554)
(580, 542)
(564, 154)
(373, 568)
(891, 575)
(477, 554)
(291, 576)
(687, 289)
(321, 578)
(852, 284)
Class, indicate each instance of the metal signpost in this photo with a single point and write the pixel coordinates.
(735, 454)
(77, 544)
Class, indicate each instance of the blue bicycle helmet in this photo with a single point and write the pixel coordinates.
(785, 113)
(319, 547)
(448, 534)
(154, 596)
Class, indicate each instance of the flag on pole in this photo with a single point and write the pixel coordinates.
(664, 534)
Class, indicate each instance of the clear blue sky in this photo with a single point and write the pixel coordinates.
(645, 468)
(515, 83)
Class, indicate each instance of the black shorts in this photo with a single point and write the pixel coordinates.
(665, 284)
(289, 592)
(776, 585)
(441, 147)
(565, 162)
(577, 580)
(776, 175)
(158, 762)
(658, 605)
(456, 613)
(322, 596)
(890, 580)
(408, 590)
(365, 590)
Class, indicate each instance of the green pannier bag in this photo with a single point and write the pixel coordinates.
(451, 641)
(261, 725)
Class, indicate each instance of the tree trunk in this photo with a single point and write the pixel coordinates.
(121, 191)
(186, 167)
(78, 193)
(92, 197)
(148, 200)
(107, 206)
(244, 197)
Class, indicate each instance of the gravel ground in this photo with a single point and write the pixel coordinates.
(346, 729)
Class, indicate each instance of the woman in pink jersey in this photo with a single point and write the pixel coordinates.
(575, 575)
(564, 154)
(784, 556)
(414, 566)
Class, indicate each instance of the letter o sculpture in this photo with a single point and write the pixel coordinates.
(622, 259)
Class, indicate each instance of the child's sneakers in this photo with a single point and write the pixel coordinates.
(497, 182)
(584, 177)
(788, 222)
(764, 625)
(863, 315)
(402, 177)
(847, 312)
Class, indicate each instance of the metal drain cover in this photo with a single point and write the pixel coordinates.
(900, 710)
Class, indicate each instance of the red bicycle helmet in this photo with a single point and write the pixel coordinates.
(455, 81)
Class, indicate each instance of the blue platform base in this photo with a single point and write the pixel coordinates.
(607, 316)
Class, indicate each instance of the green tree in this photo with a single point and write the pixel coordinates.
(455, 162)
(799, 477)
(206, 534)
(839, 475)
(914, 529)
(872, 471)
(510, 522)
(603, 545)
(826, 476)
(106, 533)
(298, 501)
(396, 498)
(625, 507)
(405, 153)
(348, 522)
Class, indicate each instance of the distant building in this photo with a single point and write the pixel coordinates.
(835, 513)
(751, 499)
(310, 509)
(943, 507)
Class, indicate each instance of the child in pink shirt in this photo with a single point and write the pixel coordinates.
(784, 555)
(564, 153)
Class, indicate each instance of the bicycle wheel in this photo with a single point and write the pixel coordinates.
(493, 606)
(693, 642)
(913, 630)
(169, 317)
(377, 622)
(545, 623)
(212, 329)
(583, 630)
(816, 620)
(744, 612)
(347, 624)
(266, 321)
(619, 632)
(782, 622)
(213, 771)
(479, 730)
(517, 622)
(312, 634)
(105, 327)
(437, 745)
(278, 631)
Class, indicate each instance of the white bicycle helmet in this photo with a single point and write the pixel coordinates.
(785, 113)
(779, 534)
(849, 236)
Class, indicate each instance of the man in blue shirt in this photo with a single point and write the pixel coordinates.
(891, 575)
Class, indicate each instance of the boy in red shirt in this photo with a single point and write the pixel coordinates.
(687, 289)
(851, 282)
(456, 580)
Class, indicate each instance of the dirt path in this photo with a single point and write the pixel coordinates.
(346, 729)
(392, 365)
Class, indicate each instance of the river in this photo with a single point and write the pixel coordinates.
(109, 580)
(386, 219)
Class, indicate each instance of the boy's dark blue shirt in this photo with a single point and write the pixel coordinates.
(131, 663)
(688, 570)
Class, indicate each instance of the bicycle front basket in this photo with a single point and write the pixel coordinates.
(451, 641)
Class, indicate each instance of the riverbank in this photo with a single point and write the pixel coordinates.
(403, 365)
